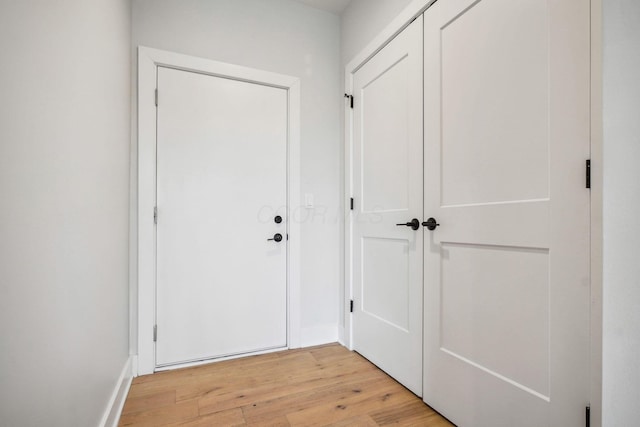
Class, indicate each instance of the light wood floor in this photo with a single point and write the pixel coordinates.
(318, 386)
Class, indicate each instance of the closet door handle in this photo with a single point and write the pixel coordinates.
(431, 224)
(414, 224)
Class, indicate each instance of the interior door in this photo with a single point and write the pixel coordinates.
(507, 271)
(221, 182)
(387, 181)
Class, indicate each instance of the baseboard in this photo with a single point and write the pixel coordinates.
(111, 415)
(318, 335)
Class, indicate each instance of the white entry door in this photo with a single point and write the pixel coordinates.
(221, 182)
(387, 182)
(507, 271)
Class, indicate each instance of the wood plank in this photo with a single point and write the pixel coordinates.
(316, 396)
(372, 397)
(410, 413)
(248, 377)
(292, 383)
(359, 421)
(149, 402)
(169, 380)
(229, 418)
(162, 416)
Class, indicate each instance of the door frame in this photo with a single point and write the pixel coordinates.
(413, 10)
(149, 60)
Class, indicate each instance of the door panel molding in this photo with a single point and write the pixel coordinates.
(149, 59)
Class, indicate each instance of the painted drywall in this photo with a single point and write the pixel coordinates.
(363, 20)
(290, 38)
(64, 197)
(621, 210)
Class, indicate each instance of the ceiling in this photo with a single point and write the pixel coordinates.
(333, 6)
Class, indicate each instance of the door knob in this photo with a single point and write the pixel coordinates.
(414, 224)
(276, 237)
(431, 224)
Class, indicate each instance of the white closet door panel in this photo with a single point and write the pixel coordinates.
(387, 168)
(507, 271)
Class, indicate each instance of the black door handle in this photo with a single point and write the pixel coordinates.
(414, 224)
(276, 237)
(431, 224)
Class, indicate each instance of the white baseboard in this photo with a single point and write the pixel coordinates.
(318, 335)
(111, 415)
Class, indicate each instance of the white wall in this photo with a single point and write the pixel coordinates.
(289, 38)
(621, 213)
(363, 20)
(64, 169)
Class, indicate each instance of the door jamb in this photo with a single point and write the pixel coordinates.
(596, 213)
(148, 61)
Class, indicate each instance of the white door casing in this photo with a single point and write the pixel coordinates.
(387, 188)
(507, 272)
(149, 60)
(221, 181)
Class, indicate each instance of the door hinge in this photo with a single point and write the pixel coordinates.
(351, 306)
(155, 215)
(156, 97)
(350, 99)
(155, 333)
(588, 173)
(352, 203)
(588, 416)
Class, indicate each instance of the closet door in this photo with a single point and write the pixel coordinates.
(507, 270)
(387, 180)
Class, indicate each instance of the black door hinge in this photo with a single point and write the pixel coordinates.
(156, 97)
(352, 203)
(351, 306)
(588, 173)
(588, 416)
(350, 99)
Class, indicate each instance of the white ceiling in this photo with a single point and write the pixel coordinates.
(333, 6)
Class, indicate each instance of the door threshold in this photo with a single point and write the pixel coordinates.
(207, 361)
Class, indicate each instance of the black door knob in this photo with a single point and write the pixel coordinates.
(278, 219)
(276, 237)
(414, 224)
(431, 224)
